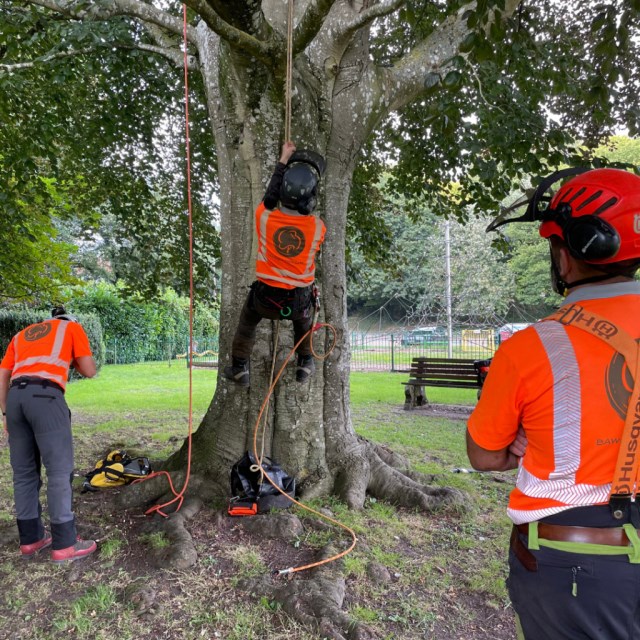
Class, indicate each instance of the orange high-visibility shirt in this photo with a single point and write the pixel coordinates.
(570, 391)
(46, 350)
(287, 247)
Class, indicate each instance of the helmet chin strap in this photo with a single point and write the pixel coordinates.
(563, 288)
(557, 283)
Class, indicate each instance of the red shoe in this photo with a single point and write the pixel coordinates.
(81, 549)
(30, 550)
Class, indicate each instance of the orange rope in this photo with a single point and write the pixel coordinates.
(179, 496)
(354, 539)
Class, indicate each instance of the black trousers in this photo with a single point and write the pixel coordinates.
(268, 302)
(575, 596)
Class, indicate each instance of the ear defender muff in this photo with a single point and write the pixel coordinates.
(306, 206)
(588, 238)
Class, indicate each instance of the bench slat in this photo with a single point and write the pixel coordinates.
(442, 371)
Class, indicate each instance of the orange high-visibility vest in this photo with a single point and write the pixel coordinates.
(46, 350)
(287, 247)
(570, 392)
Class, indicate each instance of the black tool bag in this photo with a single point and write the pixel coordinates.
(246, 485)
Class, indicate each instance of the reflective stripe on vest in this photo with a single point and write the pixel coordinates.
(567, 413)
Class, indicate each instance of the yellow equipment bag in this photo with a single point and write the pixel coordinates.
(116, 469)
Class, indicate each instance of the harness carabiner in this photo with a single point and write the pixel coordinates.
(288, 312)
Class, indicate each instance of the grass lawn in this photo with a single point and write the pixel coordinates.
(446, 570)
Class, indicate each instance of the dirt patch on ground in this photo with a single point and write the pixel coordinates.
(432, 587)
(449, 411)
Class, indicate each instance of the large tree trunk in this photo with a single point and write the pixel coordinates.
(309, 430)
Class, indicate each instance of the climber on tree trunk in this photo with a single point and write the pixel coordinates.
(289, 238)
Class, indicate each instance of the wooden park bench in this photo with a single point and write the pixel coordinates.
(461, 373)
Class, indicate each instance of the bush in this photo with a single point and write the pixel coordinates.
(13, 321)
(137, 330)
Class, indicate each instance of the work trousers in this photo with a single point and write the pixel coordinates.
(575, 596)
(39, 425)
(257, 306)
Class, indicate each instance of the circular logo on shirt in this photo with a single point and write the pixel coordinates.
(288, 241)
(618, 384)
(37, 331)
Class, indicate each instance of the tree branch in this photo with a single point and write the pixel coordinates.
(406, 80)
(132, 8)
(18, 66)
(174, 55)
(235, 37)
(310, 23)
(368, 15)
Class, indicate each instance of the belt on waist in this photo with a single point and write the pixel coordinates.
(611, 536)
(21, 383)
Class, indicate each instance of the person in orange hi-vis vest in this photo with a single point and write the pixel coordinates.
(289, 237)
(559, 404)
(33, 378)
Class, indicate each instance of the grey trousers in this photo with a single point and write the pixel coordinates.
(39, 425)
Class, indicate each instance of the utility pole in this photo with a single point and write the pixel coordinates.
(447, 296)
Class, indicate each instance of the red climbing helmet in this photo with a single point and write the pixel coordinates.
(596, 213)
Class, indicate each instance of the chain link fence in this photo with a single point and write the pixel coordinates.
(388, 352)
(394, 352)
(205, 351)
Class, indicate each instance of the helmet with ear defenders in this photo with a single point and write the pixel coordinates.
(597, 214)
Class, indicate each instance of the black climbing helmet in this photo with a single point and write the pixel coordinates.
(300, 181)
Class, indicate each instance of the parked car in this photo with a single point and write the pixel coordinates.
(424, 335)
(507, 330)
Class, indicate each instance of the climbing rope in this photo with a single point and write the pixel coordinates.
(179, 496)
(288, 85)
(266, 413)
(315, 326)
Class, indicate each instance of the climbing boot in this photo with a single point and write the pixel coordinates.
(30, 550)
(81, 549)
(305, 367)
(238, 372)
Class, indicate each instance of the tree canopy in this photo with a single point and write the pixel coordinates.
(487, 93)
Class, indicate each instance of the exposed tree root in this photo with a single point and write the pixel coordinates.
(182, 552)
(157, 490)
(395, 460)
(378, 475)
(316, 601)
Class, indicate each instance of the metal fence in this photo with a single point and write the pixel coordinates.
(369, 351)
(394, 352)
(205, 350)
